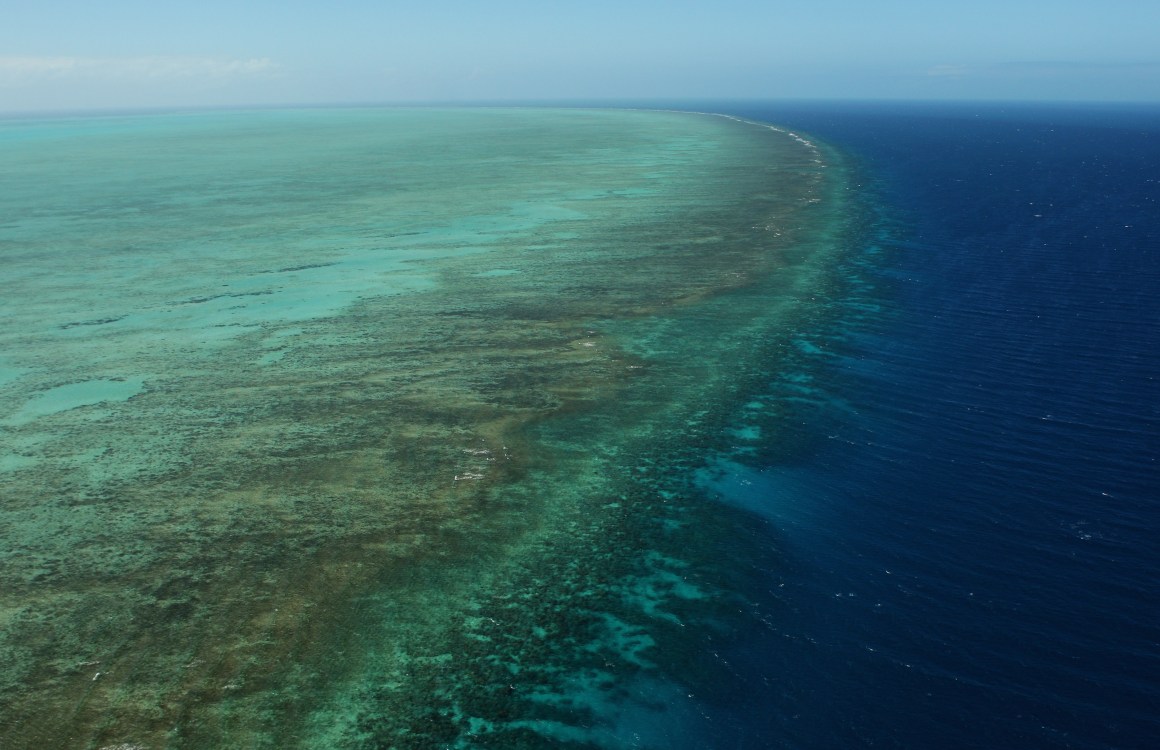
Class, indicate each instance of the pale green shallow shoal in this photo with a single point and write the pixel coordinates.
(292, 401)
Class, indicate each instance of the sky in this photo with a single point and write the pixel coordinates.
(79, 54)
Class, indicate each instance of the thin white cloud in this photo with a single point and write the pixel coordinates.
(36, 69)
(1064, 67)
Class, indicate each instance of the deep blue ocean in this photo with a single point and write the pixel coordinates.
(967, 517)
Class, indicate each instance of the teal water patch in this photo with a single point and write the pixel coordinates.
(11, 374)
(74, 396)
(11, 462)
(782, 495)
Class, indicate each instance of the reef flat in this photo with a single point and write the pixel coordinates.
(378, 428)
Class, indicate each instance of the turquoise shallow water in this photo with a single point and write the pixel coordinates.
(357, 428)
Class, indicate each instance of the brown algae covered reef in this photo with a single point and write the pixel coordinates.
(375, 428)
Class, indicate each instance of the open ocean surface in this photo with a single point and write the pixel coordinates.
(533, 435)
(969, 526)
